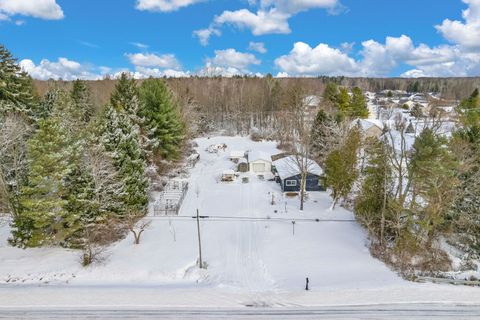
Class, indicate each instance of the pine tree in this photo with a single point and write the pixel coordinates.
(358, 105)
(466, 209)
(434, 179)
(125, 96)
(343, 101)
(162, 122)
(324, 136)
(43, 219)
(341, 166)
(469, 109)
(372, 205)
(17, 102)
(122, 141)
(16, 87)
(330, 94)
(81, 100)
(79, 198)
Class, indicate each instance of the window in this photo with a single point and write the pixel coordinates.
(291, 183)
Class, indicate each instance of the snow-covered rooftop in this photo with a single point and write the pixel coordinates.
(290, 166)
(259, 155)
(237, 154)
(366, 124)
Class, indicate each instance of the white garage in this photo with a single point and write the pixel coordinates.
(260, 162)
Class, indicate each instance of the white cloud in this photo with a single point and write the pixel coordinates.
(230, 58)
(321, 60)
(62, 69)
(142, 73)
(467, 33)
(228, 63)
(43, 9)
(257, 46)
(271, 17)
(380, 59)
(205, 34)
(152, 65)
(140, 45)
(262, 22)
(294, 7)
(152, 60)
(211, 70)
(164, 5)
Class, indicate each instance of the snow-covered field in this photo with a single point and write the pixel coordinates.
(250, 262)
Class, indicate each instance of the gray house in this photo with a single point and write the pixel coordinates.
(288, 173)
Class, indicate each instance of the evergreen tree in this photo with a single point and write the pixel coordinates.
(343, 101)
(330, 94)
(341, 166)
(81, 100)
(372, 205)
(434, 179)
(43, 219)
(79, 200)
(466, 209)
(324, 136)
(16, 87)
(469, 109)
(122, 141)
(358, 105)
(125, 96)
(162, 122)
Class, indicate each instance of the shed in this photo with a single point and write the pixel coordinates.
(236, 155)
(228, 175)
(288, 173)
(242, 165)
(259, 162)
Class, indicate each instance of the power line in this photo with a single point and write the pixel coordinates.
(248, 219)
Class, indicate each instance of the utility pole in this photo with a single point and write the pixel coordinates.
(200, 263)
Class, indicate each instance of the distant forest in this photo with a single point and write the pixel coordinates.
(264, 94)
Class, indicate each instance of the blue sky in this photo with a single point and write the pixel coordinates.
(86, 39)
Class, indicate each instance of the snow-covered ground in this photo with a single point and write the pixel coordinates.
(250, 262)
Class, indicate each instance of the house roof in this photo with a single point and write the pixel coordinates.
(259, 155)
(289, 167)
(237, 154)
(366, 124)
(228, 172)
(311, 101)
(242, 160)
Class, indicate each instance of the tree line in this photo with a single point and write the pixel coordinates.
(412, 187)
(68, 167)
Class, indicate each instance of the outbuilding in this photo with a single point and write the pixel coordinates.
(288, 173)
(236, 155)
(259, 162)
(242, 165)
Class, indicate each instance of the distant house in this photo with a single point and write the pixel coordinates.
(311, 101)
(242, 165)
(259, 162)
(236, 155)
(369, 127)
(278, 156)
(288, 174)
